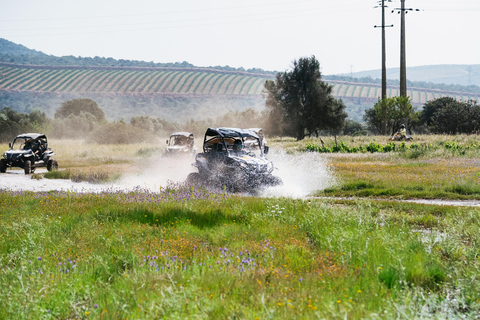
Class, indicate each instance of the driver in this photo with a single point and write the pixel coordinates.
(238, 148)
(28, 144)
(402, 132)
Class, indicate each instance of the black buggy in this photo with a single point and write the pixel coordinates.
(29, 151)
(233, 159)
(180, 143)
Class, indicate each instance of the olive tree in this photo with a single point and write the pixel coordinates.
(300, 103)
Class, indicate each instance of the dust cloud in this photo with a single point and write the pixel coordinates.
(158, 172)
(301, 173)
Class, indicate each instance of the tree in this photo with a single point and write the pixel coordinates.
(353, 128)
(456, 117)
(13, 123)
(405, 114)
(432, 106)
(300, 103)
(77, 106)
(380, 115)
(389, 113)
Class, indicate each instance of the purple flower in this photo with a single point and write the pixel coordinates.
(95, 306)
(39, 258)
(301, 279)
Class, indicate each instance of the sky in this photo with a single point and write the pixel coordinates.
(266, 34)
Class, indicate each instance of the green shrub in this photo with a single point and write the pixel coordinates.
(374, 147)
(58, 174)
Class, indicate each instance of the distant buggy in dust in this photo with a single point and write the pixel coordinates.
(29, 151)
(180, 143)
(233, 159)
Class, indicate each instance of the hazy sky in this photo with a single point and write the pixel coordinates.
(267, 34)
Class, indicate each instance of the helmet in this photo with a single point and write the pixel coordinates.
(402, 126)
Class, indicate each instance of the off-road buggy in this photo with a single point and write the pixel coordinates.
(29, 151)
(220, 166)
(398, 137)
(253, 143)
(180, 143)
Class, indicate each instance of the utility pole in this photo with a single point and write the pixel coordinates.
(403, 58)
(384, 51)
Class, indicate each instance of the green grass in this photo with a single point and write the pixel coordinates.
(187, 253)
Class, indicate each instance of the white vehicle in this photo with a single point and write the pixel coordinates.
(180, 143)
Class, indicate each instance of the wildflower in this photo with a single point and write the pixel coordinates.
(95, 306)
(39, 258)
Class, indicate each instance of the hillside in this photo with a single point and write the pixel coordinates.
(176, 92)
(464, 75)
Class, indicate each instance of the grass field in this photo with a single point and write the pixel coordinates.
(184, 253)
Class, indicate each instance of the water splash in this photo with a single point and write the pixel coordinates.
(302, 173)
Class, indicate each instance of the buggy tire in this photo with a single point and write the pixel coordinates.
(27, 166)
(3, 166)
(194, 179)
(52, 165)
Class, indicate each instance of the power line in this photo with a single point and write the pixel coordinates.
(403, 59)
(384, 51)
(208, 23)
(172, 12)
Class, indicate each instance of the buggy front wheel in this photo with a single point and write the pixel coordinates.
(52, 165)
(27, 166)
(194, 179)
(3, 166)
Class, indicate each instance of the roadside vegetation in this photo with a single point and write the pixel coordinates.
(189, 253)
(437, 167)
(181, 252)
(432, 167)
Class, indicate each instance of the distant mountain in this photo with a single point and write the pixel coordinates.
(8, 48)
(460, 74)
(18, 54)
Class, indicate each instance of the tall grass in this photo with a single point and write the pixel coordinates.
(189, 253)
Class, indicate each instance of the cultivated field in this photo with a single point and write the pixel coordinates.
(186, 253)
(179, 81)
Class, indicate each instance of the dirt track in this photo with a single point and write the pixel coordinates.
(301, 176)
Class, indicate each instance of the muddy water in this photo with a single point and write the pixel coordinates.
(441, 202)
(302, 174)
(151, 175)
